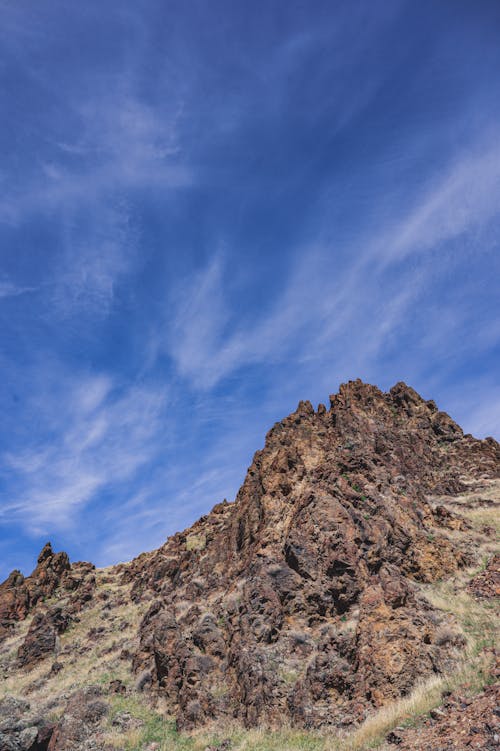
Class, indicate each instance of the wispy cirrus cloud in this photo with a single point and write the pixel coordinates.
(98, 250)
(10, 289)
(347, 319)
(465, 198)
(369, 295)
(88, 188)
(102, 146)
(92, 436)
(115, 142)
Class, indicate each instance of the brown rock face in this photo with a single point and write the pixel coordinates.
(297, 603)
(460, 724)
(486, 584)
(41, 638)
(79, 581)
(84, 712)
(20, 595)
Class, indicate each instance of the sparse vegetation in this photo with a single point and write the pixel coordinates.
(474, 620)
(196, 542)
(98, 636)
(470, 619)
(93, 656)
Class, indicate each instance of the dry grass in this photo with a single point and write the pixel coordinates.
(476, 620)
(196, 542)
(86, 658)
(485, 516)
(478, 624)
(480, 506)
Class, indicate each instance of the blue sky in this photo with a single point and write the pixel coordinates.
(209, 211)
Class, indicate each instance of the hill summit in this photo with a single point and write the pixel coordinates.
(305, 602)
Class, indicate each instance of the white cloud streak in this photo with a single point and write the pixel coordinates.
(97, 254)
(9, 289)
(92, 437)
(121, 144)
(312, 317)
(466, 197)
(87, 185)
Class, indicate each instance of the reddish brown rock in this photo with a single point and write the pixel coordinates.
(297, 603)
(82, 717)
(19, 595)
(80, 581)
(41, 638)
(460, 724)
(486, 584)
(300, 603)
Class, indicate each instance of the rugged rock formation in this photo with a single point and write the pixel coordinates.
(83, 714)
(300, 603)
(41, 638)
(21, 729)
(19, 595)
(297, 602)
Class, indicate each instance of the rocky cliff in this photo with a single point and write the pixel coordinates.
(297, 602)
(302, 602)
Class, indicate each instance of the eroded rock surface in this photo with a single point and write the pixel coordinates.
(20, 595)
(461, 723)
(78, 728)
(486, 584)
(41, 639)
(298, 602)
(20, 728)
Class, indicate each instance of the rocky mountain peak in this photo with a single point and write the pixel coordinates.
(45, 553)
(330, 525)
(20, 595)
(302, 601)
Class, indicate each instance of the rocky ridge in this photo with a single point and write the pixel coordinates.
(298, 602)
(19, 596)
(301, 603)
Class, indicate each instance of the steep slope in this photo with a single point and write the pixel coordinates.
(304, 602)
(297, 602)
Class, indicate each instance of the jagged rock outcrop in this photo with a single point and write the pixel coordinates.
(21, 729)
(300, 603)
(41, 639)
(297, 603)
(79, 582)
(486, 584)
(19, 595)
(461, 723)
(83, 714)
